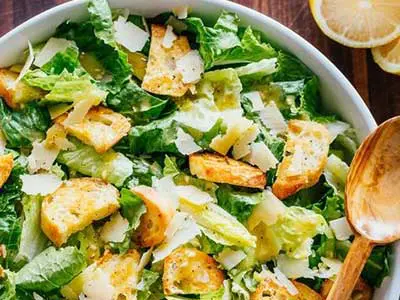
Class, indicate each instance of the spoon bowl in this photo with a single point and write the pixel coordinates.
(372, 202)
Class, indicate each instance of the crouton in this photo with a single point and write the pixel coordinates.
(191, 271)
(305, 292)
(19, 94)
(113, 277)
(101, 128)
(162, 76)
(76, 204)
(222, 169)
(269, 289)
(154, 222)
(6, 165)
(362, 291)
(306, 154)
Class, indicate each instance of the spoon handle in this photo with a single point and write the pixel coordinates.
(351, 269)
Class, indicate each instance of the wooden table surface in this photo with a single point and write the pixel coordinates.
(381, 91)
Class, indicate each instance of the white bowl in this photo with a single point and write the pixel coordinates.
(339, 95)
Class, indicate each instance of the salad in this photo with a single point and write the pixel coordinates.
(170, 158)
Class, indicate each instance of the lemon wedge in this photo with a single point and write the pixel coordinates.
(388, 56)
(358, 23)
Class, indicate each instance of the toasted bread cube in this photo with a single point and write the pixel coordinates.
(113, 277)
(159, 212)
(19, 94)
(6, 165)
(191, 271)
(306, 154)
(76, 204)
(161, 75)
(362, 291)
(305, 292)
(269, 289)
(222, 169)
(101, 128)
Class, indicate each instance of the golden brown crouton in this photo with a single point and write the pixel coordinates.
(162, 76)
(76, 204)
(6, 165)
(16, 95)
(362, 290)
(269, 289)
(305, 292)
(113, 277)
(101, 128)
(306, 154)
(191, 271)
(222, 169)
(154, 222)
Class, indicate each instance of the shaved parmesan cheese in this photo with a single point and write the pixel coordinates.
(41, 157)
(181, 230)
(230, 258)
(37, 297)
(267, 211)
(329, 267)
(341, 229)
(52, 47)
(336, 128)
(40, 184)
(242, 148)
(236, 128)
(227, 290)
(193, 195)
(144, 260)
(27, 65)
(129, 35)
(255, 99)
(169, 37)
(191, 66)
(166, 188)
(272, 118)
(185, 143)
(181, 12)
(295, 268)
(261, 156)
(282, 279)
(115, 230)
(78, 114)
(215, 236)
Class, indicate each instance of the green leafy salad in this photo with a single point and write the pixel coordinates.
(170, 158)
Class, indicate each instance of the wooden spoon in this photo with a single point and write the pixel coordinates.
(372, 201)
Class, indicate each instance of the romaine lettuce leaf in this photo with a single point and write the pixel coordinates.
(220, 223)
(155, 137)
(137, 104)
(257, 72)
(101, 19)
(290, 68)
(88, 242)
(67, 60)
(111, 166)
(143, 171)
(25, 126)
(33, 240)
(149, 286)
(51, 269)
(222, 45)
(238, 203)
(7, 286)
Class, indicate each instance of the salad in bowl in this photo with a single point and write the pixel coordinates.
(170, 158)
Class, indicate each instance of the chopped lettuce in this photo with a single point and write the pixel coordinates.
(155, 137)
(240, 204)
(144, 171)
(111, 166)
(149, 286)
(33, 240)
(225, 44)
(67, 60)
(291, 68)
(51, 269)
(137, 104)
(21, 128)
(219, 223)
(7, 286)
(101, 19)
(88, 242)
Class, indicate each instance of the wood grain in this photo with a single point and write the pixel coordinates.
(380, 90)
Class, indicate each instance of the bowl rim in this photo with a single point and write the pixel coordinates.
(259, 18)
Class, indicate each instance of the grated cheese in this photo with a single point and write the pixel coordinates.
(40, 184)
(129, 35)
(191, 66)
